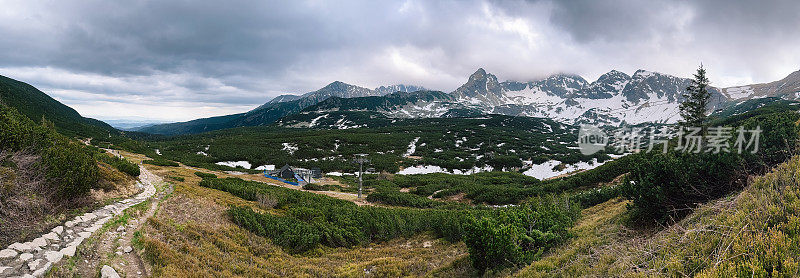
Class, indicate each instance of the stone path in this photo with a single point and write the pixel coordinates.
(36, 257)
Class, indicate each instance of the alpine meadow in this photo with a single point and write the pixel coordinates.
(399, 138)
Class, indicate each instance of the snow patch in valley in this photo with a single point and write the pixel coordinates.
(412, 147)
(234, 164)
(290, 148)
(265, 168)
(428, 169)
(545, 170)
(315, 120)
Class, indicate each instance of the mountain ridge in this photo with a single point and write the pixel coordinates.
(615, 99)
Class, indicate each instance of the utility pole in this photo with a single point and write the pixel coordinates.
(360, 160)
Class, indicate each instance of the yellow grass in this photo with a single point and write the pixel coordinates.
(191, 236)
(754, 233)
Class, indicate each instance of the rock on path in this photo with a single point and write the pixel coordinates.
(38, 255)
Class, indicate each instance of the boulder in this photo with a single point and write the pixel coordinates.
(34, 264)
(6, 271)
(69, 251)
(25, 257)
(7, 253)
(108, 272)
(22, 247)
(53, 256)
(41, 271)
(38, 242)
(51, 236)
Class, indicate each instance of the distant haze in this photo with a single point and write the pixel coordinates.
(181, 60)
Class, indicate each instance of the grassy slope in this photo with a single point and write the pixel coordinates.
(753, 233)
(191, 235)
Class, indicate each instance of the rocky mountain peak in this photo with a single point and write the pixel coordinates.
(479, 74)
(613, 76)
(482, 87)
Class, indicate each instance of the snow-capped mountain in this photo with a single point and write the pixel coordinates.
(385, 90)
(613, 99)
(786, 88)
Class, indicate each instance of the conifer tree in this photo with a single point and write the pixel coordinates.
(696, 98)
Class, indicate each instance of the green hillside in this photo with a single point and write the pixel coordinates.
(37, 105)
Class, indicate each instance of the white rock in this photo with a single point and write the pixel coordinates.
(51, 236)
(69, 224)
(69, 251)
(84, 234)
(108, 272)
(127, 249)
(120, 228)
(38, 242)
(7, 253)
(76, 242)
(22, 247)
(5, 271)
(25, 257)
(34, 264)
(58, 230)
(53, 256)
(41, 271)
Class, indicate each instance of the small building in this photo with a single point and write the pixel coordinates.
(296, 173)
(286, 172)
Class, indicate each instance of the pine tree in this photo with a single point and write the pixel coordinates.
(693, 107)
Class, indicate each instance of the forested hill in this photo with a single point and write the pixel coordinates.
(37, 105)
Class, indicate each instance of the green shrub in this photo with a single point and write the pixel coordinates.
(203, 175)
(514, 236)
(177, 178)
(591, 197)
(69, 166)
(121, 164)
(669, 186)
(329, 221)
(664, 186)
(403, 199)
(323, 187)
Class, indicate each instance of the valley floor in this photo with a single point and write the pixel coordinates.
(190, 235)
(185, 231)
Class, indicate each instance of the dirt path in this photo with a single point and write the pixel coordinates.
(117, 243)
(108, 242)
(66, 243)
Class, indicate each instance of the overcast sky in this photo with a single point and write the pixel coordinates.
(179, 60)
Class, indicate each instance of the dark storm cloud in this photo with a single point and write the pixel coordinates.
(228, 56)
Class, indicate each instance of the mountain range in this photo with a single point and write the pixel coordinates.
(615, 99)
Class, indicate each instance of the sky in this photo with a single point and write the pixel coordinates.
(170, 60)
